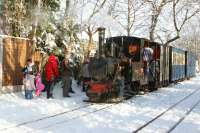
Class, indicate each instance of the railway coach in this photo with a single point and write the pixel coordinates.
(163, 61)
(190, 68)
(177, 64)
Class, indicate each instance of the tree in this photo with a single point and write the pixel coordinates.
(12, 13)
(67, 4)
(127, 13)
(186, 11)
(18, 15)
(190, 36)
(90, 25)
(4, 17)
(182, 12)
(168, 17)
(156, 10)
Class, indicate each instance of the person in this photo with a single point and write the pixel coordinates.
(29, 85)
(120, 81)
(38, 84)
(51, 74)
(71, 67)
(43, 63)
(148, 62)
(147, 58)
(128, 71)
(66, 76)
(85, 74)
(30, 67)
(28, 80)
(152, 77)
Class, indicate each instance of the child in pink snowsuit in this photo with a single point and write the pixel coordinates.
(38, 84)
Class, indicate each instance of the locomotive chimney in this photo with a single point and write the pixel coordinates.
(101, 31)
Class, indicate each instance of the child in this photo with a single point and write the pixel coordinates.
(38, 84)
(29, 85)
(29, 79)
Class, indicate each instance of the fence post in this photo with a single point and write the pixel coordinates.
(1, 64)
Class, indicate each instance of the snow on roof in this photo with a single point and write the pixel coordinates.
(6, 36)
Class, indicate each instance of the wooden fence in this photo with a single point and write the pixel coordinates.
(15, 52)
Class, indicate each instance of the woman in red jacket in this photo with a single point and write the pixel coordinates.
(51, 73)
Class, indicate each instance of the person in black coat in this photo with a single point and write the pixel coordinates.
(128, 71)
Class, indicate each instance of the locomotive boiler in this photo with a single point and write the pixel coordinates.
(103, 70)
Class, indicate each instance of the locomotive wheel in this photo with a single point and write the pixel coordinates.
(95, 99)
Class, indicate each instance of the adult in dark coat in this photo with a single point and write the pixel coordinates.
(66, 77)
(153, 73)
(128, 71)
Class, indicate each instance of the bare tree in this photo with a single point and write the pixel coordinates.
(4, 17)
(126, 13)
(185, 10)
(190, 39)
(98, 5)
(156, 10)
(67, 4)
(182, 13)
(91, 28)
(111, 7)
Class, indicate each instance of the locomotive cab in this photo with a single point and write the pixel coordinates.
(129, 51)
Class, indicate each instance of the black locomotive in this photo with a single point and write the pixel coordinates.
(122, 58)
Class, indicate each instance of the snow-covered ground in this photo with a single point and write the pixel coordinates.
(72, 115)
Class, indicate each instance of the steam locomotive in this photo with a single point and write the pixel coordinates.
(123, 55)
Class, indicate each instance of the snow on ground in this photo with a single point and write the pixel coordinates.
(20, 116)
(14, 109)
(191, 124)
(165, 122)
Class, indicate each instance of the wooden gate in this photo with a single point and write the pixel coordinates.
(15, 53)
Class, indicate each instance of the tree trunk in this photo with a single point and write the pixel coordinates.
(5, 17)
(67, 4)
(154, 21)
(129, 18)
(90, 42)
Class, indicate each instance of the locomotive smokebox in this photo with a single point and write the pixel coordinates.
(101, 31)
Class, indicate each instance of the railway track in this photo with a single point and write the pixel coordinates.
(88, 105)
(80, 116)
(86, 114)
(170, 108)
(47, 117)
(60, 114)
(182, 118)
(96, 110)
